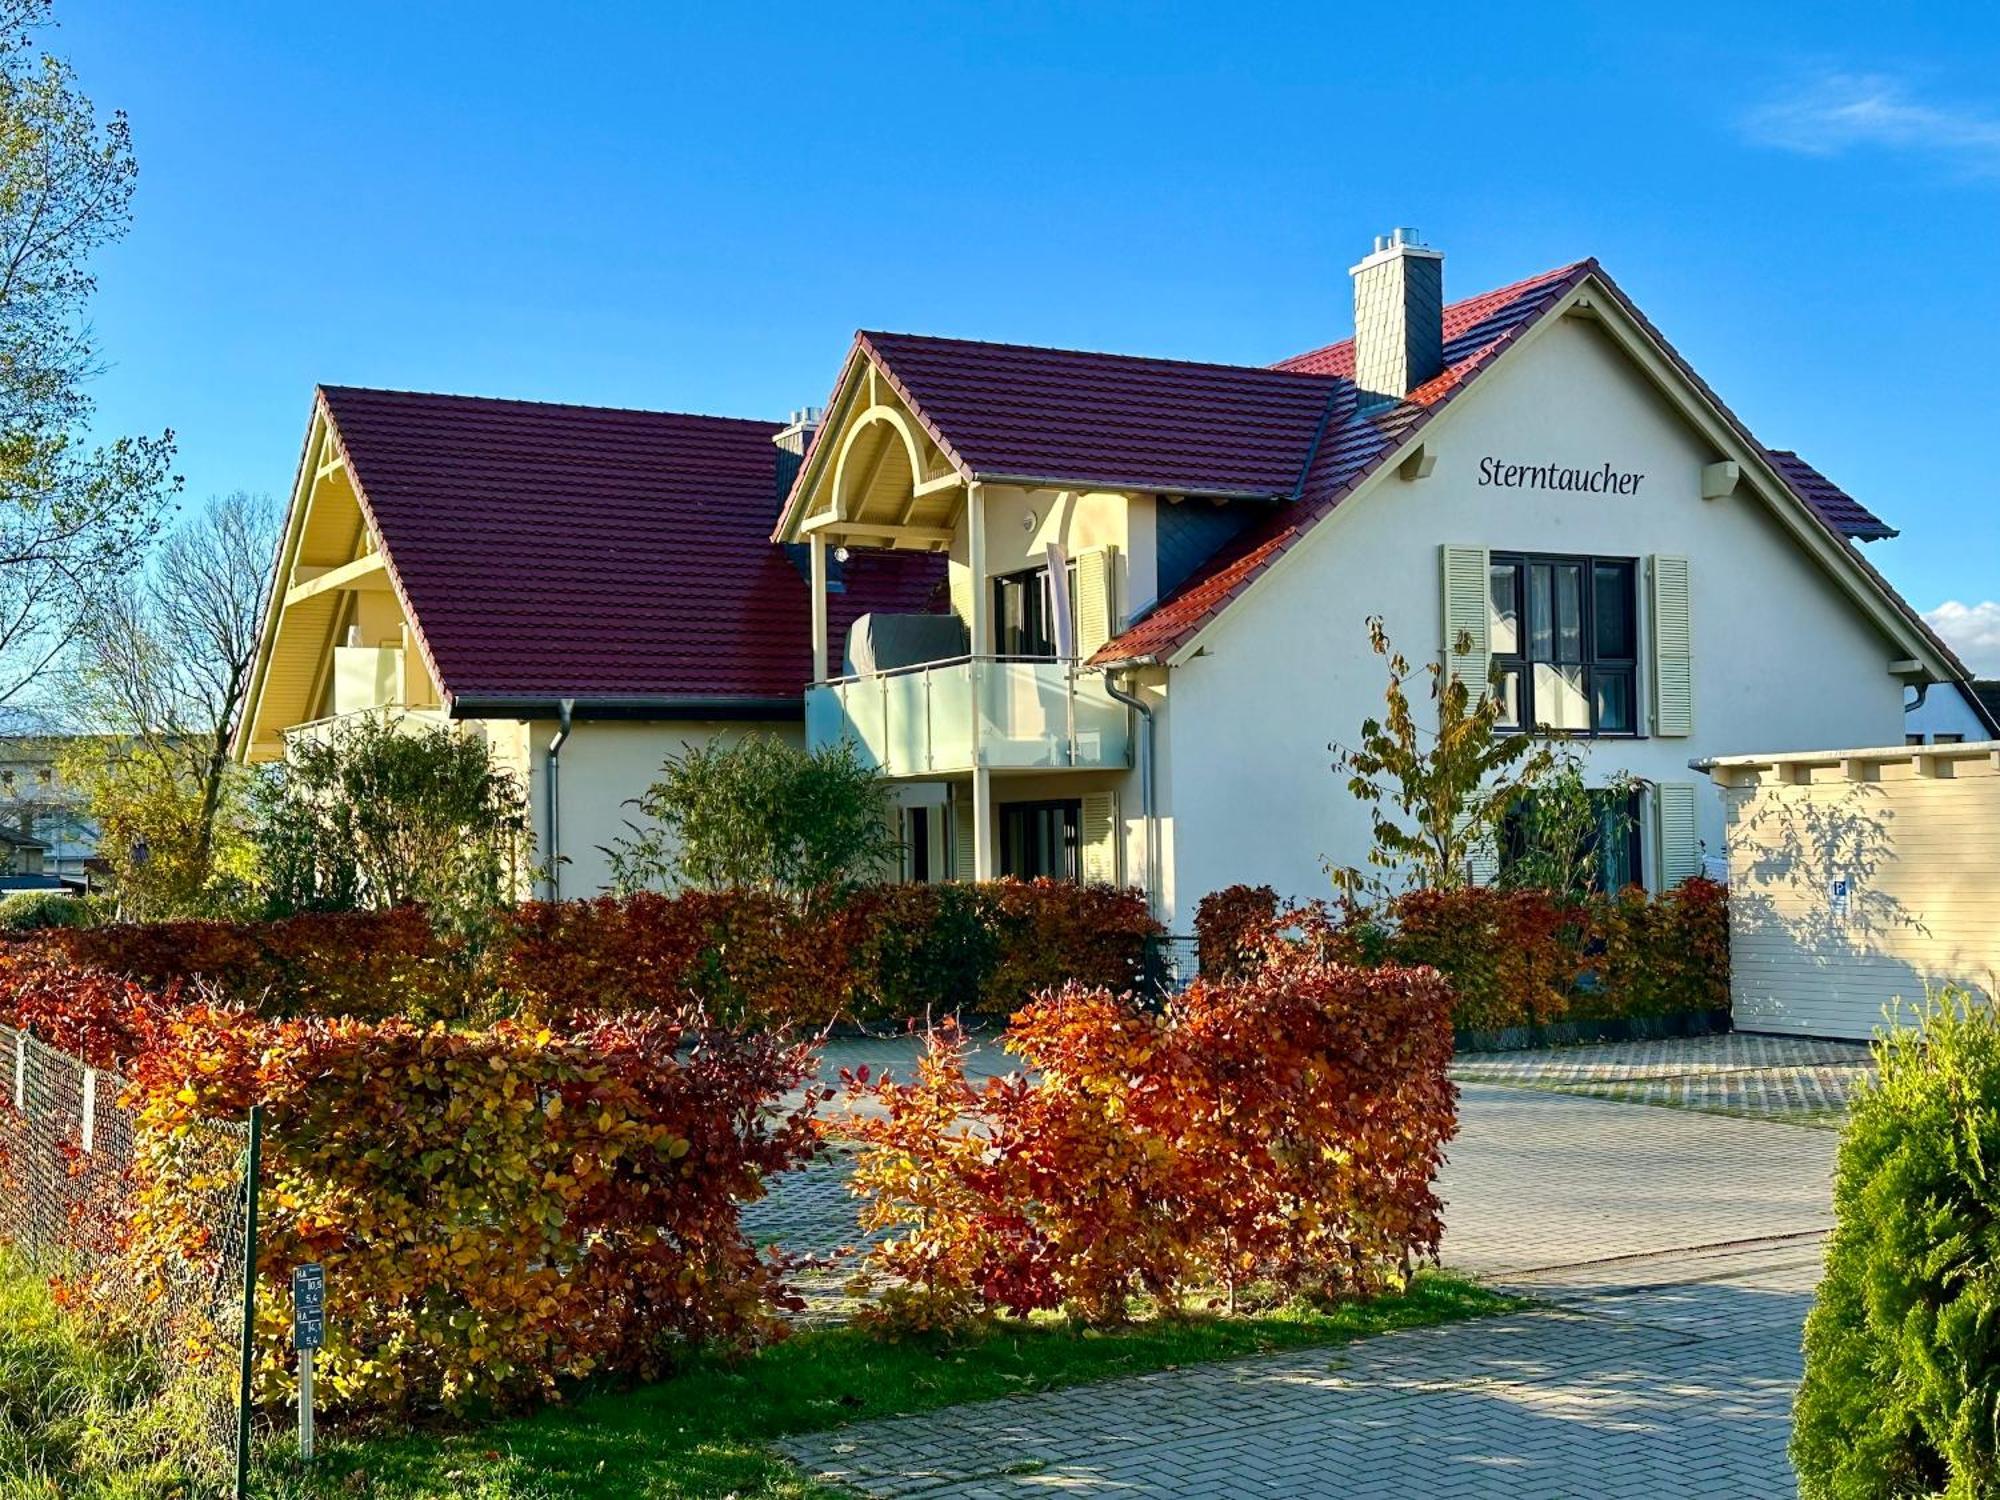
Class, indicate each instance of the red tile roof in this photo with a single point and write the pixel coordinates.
(1846, 514)
(1117, 421)
(1357, 438)
(549, 551)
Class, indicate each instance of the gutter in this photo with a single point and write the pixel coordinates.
(565, 711)
(1148, 799)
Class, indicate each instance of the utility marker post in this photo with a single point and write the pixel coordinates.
(308, 1334)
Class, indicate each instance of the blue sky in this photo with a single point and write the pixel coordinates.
(694, 207)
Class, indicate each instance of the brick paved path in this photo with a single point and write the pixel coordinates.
(1795, 1079)
(1674, 1254)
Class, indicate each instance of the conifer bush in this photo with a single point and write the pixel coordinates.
(1901, 1396)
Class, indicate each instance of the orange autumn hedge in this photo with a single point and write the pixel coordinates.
(883, 953)
(1513, 957)
(1281, 1131)
(499, 1212)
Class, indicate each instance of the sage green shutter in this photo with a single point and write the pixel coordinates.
(1673, 648)
(1482, 861)
(1099, 835)
(963, 853)
(1466, 607)
(1095, 618)
(1678, 834)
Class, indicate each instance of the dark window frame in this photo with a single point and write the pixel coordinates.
(1520, 663)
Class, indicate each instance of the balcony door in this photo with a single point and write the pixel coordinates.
(1024, 617)
(1041, 839)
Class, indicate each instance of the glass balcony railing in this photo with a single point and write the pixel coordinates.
(1006, 713)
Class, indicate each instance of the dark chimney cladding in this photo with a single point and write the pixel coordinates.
(793, 439)
(1398, 316)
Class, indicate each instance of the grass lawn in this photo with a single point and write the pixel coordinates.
(77, 1420)
(705, 1432)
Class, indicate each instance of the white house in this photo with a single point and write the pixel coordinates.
(1160, 573)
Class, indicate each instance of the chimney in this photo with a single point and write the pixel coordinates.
(1398, 316)
(793, 439)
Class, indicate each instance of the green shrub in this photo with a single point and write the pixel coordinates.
(1902, 1384)
(34, 911)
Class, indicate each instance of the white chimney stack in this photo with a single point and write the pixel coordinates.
(1398, 316)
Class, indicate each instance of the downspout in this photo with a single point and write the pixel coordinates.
(1923, 692)
(565, 709)
(1148, 799)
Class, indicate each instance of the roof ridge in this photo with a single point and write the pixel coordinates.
(1554, 273)
(540, 405)
(872, 334)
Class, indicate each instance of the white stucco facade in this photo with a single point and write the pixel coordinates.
(603, 766)
(1781, 656)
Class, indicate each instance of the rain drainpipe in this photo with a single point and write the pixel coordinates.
(1923, 692)
(1148, 801)
(564, 710)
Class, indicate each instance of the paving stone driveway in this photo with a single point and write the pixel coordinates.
(1797, 1079)
(1673, 1254)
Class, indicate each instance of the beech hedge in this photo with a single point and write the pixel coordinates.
(1514, 958)
(1280, 1132)
(880, 954)
(502, 1211)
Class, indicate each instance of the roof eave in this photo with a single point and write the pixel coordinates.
(681, 707)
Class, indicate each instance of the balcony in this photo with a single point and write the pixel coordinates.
(323, 731)
(1003, 713)
(367, 682)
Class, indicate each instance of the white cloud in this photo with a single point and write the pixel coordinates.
(1972, 630)
(1839, 111)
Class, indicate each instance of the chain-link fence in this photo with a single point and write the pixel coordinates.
(167, 1274)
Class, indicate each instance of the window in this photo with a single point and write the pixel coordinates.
(1041, 839)
(1024, 615)
(1947, 739)
(1614, 843)
(1565, 638)
(1024, 621)
(917, 844)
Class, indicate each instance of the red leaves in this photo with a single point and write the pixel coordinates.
(498, 1209)
(1282, 1130)
(1513, 957)
(882, 952)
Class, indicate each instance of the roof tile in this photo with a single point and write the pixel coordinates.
(571, 551)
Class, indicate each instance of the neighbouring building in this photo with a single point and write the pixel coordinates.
(1160, 573)
(588, 590)
(1955, 713)
(1861, 882)
(46, 836)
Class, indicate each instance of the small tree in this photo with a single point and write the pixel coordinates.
(382, 814)
(759, 813)
(157, 679)
(1436, 798)
(1559, 844)
(177, 848)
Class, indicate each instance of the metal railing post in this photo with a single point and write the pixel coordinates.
(254, 1155)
